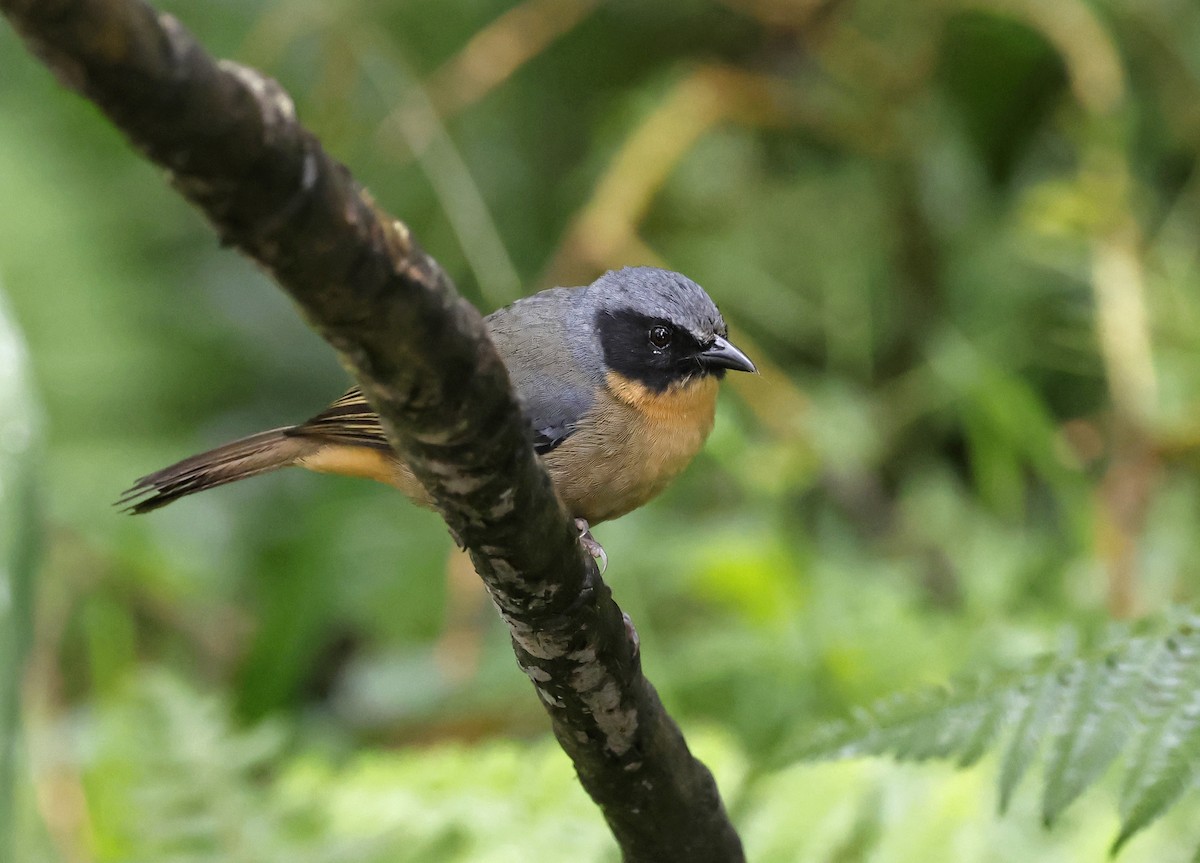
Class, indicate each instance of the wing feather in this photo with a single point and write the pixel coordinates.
(351, 420)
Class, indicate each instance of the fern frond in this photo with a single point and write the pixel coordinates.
(1096, 718)
(1037, 697)
(1138, 701)
(1167, 754)
(175, 781)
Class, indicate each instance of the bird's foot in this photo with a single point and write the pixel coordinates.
(590, 545)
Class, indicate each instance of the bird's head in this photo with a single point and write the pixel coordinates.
(660, 330)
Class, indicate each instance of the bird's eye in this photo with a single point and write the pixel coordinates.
(660, 336)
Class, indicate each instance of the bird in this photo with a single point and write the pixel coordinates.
(617, 380)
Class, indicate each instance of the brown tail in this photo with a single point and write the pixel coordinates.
(249, 456)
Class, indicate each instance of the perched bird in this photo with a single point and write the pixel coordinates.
(618, 381)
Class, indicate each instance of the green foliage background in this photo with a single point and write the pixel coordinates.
(960, 235)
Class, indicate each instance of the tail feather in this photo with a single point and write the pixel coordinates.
(249, 456)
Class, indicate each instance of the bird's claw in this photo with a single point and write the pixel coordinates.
(595, 549)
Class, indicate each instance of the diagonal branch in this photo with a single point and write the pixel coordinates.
(230, 140)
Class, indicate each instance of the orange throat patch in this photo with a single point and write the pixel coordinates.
(690, 403)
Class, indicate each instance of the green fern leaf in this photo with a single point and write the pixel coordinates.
(938, 723)
(959, 722)
(1166, 760)
(1040, 696)
(1140, 698)
(986, 725)
(1096, 723)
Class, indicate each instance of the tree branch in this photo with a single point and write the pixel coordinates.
(230, 140)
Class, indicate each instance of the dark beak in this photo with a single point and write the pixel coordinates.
(722, 355)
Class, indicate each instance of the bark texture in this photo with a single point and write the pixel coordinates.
(231, 144)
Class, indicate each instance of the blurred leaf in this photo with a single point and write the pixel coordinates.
(171, 780)
(19, 534)
(1004, 77)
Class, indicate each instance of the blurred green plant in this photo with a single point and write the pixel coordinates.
(19, 535)
(186, 786)
(174, 779)
(190, 786)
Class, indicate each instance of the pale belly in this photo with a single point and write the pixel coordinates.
(628, 458)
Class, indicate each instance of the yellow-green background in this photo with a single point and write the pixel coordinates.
(960, 236)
